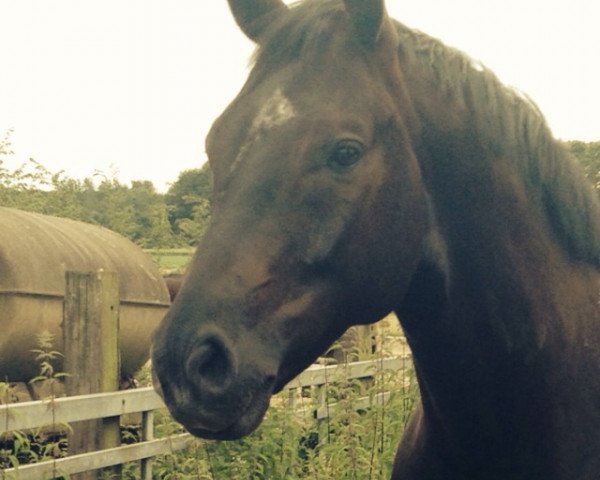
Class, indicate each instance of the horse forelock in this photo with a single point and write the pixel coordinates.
(308, 30)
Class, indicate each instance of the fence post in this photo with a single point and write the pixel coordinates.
(90, 339)
(147, 435)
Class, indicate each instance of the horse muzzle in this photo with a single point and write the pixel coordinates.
(212, 392)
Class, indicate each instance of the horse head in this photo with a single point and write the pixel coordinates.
(319, 213)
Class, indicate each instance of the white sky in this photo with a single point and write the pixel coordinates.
(136, 84)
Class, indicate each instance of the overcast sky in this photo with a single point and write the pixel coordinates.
(132, 86)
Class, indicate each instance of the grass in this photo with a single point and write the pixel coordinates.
(171, 260)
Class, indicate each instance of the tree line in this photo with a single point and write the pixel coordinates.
(138, 211)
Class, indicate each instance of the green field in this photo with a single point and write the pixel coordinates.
(171, 260)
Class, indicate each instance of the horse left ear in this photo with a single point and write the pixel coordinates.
(367, 17)
(252, 16)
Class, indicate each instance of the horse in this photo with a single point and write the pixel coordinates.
(173, 284)
(365, 168)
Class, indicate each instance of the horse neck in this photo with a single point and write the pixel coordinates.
(498, 323)
(514, 212)
(502, 326)
(511, 237)
(502, 315)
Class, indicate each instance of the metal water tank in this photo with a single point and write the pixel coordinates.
(35, 252)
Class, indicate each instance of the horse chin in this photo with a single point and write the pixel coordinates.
(242, 425)
(237, 426)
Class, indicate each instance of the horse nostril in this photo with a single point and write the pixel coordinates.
(209, 367)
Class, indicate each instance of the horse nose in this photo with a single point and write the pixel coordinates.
(210, 366)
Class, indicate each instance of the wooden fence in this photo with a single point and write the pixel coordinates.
(57, 411)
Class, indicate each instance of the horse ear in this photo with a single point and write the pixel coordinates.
(367, 17)
(252, 15)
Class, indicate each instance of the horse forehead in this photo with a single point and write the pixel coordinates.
(276, 111)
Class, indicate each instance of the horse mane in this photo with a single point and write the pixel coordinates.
(507, 122)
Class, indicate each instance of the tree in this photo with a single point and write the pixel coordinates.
(150, 215)
(137, 212)
(188, 201)
(588, 153)
(191, 229)
(23, 186)
(190, 186)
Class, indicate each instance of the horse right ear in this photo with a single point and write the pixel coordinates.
(252, 16)
(368, 17)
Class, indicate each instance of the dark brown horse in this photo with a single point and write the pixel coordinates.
(173, 283)
(364, 168)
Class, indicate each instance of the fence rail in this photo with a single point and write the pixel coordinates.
(60, 411)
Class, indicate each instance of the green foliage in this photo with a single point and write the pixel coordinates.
(138, 212)
(21, 187)
(190, 186)
(191, 229)
(588, 154)
(188, 201)
(45, 358)
(353, 442)
(41, 444)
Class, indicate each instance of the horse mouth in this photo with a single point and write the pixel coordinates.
(209, 419)
(230, 426)
(243, 424)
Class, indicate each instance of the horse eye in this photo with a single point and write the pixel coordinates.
(345, 154)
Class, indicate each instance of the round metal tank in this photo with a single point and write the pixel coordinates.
(35, 252)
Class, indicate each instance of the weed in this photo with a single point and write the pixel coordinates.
(44, 443)
(355, 441)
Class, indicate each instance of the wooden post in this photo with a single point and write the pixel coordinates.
(90, 339)
(147, 435)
